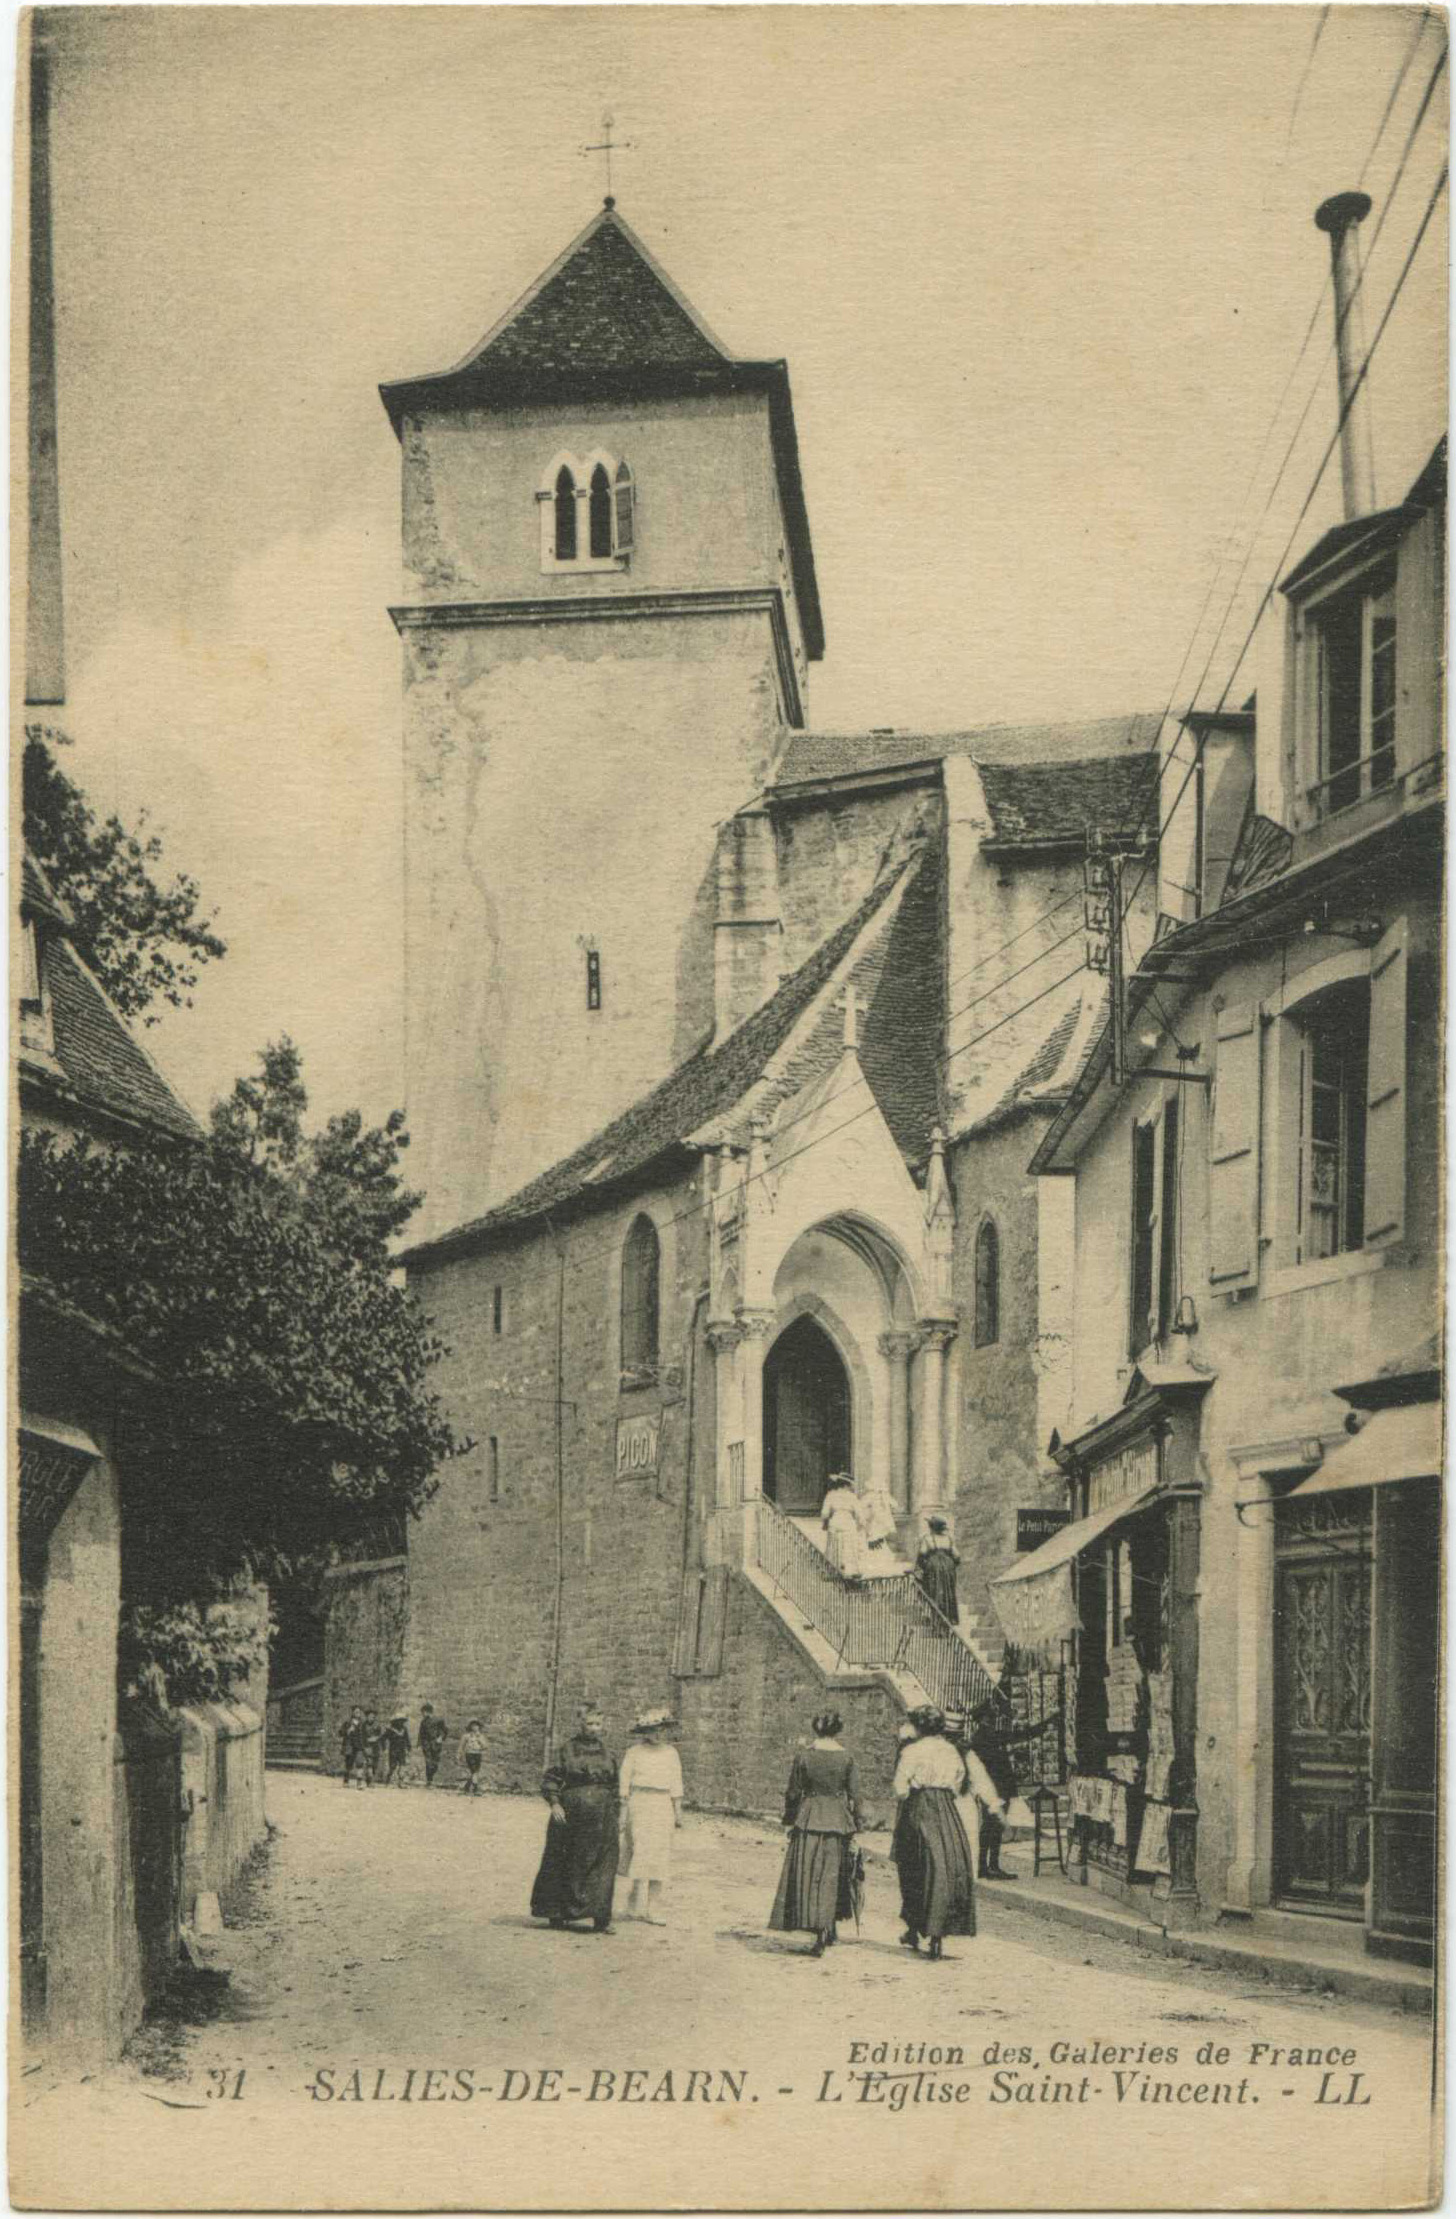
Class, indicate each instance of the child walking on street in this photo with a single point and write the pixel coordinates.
(396, 1748)
(472, 1749)
(351, 1742)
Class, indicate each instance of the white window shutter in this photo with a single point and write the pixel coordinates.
(622, 510)
(1233, 1160)
(1385, 1101)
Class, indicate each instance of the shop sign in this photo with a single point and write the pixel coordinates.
(1132, 1471)
(1035, 1526)
(637, 1440)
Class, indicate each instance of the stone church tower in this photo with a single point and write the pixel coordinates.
(610, 607)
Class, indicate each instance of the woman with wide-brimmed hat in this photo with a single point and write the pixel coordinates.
(932, 1850)
(579, 1863)
(822, 1813)
(652, 1799)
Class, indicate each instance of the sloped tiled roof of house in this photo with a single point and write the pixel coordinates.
(1062, 801)
(899, 1038)
(816, 755)
(94, 1061)
(1048, 1072)
(101, 1061)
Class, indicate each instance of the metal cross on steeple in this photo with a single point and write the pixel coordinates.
(608, 146)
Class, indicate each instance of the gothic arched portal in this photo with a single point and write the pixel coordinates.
(806, 1421)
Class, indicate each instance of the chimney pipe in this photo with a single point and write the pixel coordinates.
(1341, 217)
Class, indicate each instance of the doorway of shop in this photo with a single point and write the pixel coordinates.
(1322, 1574)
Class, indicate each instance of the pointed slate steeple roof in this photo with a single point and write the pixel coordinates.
(606, 322)
(605, 304)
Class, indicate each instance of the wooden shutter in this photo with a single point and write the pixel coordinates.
(712, 1621)
(1385, 1101)
(702, 1618)
(685, 1656)
(622, 508)
(1233, 1159)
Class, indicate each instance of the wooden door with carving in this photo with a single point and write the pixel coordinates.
(1322, 1700)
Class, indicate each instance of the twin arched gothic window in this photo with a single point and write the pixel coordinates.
(641, 1253)
(988, 1285)
(588, 514)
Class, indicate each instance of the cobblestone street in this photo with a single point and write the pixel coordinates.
(386, 1935)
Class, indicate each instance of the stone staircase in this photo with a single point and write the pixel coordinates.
(882, 1625)
(294, 1740)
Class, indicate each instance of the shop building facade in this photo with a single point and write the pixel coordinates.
(1248, 1597)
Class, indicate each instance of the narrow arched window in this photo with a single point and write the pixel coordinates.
(988, 1286)
(601, 513)
(640, 1255)
(565, 515)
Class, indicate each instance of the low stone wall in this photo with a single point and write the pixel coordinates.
(146, 1814)
(222, 1790)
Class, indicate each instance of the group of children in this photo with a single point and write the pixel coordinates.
(378, 1752)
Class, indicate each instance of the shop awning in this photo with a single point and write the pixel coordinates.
(1033, 1600)
(1403, 1443)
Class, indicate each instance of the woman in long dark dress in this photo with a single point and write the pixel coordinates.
(822, 1811)
(932, 1851)
(935, 1569)
(579, 1862)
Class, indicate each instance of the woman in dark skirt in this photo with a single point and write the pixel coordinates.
(932, 1852)
(822, 1812)
(579, 1863)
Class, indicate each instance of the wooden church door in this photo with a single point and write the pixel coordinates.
(806, 1423)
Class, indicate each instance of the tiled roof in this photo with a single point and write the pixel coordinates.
(815, 755)
(100, 1063)
(1060, 801)
(1261, 852)
(603, 308)
(1042, 1067)
(707, 1087)
(37, 895)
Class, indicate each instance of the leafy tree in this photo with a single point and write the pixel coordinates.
(291, 1400)
(348, 1173)
(145, 940)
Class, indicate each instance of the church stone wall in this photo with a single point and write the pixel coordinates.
(706, 498)
(998, 1459)
(553, 775)
(829, 855)
(739, 1729)
(483, 1572)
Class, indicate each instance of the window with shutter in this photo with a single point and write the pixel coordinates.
(1385, 1101)
(1233, 1157)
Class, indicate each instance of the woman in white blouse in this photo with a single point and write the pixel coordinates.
(932, 1851)
(651, 1788)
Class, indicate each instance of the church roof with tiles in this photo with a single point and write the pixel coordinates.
(782, 1047)
(814, 756)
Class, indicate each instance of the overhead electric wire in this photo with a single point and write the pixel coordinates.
(1008, 1017)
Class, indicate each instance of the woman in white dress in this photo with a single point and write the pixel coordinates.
(842, 1516)
(651, 1787)
(880, 1528)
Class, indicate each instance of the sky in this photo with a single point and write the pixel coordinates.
(1041, 276)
